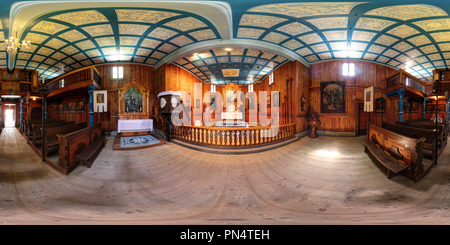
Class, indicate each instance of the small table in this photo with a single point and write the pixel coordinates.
(135, 126)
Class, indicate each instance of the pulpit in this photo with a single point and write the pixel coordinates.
(168, 101)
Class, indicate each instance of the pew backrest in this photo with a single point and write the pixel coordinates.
(75, 142)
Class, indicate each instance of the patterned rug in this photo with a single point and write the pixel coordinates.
(138, 141)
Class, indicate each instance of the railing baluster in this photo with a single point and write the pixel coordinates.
(232, 137)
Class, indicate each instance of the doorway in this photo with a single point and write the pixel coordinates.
(10, 118)
(363, 118)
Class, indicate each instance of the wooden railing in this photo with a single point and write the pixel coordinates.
(234, 137)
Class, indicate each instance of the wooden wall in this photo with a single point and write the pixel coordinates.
(76, 117)
(366, 74)
(292, 81)
(141, 74)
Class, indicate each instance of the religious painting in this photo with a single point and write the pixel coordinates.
(332, 97)
(368, 99)
(406, 107)
(430, 108)
(268, 100)
(231, 95)
(80, 106)
(197, 103)
(188, 98)
(60, 108)
(212, 103)
(276, 99)
(65, 108)
(380, 105)
(133, 100)
(100, 100)
(72, 107)
(415, 107)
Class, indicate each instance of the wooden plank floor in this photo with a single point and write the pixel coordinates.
(327, 180)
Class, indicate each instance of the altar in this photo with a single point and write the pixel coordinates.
(236, 115)
(135, 126)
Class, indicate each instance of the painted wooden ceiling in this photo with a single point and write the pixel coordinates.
(412, 36)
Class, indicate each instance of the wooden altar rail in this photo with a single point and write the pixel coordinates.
(234, 137)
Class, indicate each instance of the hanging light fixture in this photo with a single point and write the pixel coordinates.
(13, 44)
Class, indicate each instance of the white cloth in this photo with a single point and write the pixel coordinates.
(135, 125)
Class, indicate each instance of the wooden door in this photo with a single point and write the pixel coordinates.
(363, 118)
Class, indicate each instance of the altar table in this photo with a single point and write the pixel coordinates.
(135, 125)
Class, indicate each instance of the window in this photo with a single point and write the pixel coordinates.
(213, 88)
(271, 78)
(61, 83)
(348, 69)
(117, 72)
(250, 88)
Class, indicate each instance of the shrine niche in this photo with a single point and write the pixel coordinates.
(230, 95)
(133, 101)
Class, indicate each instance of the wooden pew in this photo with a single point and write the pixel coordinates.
(416, 124)
(26, 124)
(429, 146)
(51, 135)
(445, 123)
(396, 152)
(72, 144)
(36, 130)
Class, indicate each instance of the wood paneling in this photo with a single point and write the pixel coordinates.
(366, 74)
(141, 74)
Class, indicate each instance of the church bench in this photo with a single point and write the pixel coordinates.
(72, 144)
(404, 149)
(445, 123)
(429, 146)
(442, 129)
(392, 164)
(51, 135)
(36, 130)
(26, 124)
(87, 156)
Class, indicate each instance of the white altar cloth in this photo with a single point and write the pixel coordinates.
(231, 115)
(135, 125)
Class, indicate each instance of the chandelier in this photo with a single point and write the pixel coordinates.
(12, 44)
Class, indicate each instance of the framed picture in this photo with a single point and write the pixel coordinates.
(72, 107)
(65, 108)
(276, 99)
(380, 105)
(406, 107)
(59, 108)
(188, 98)
(415, 107)
(197, 103)
(332, 97)
(368, 99)
(212, 103)
(80, 106)
(268, 100)
(101, 100)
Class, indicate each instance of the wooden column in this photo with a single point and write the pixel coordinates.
(424, 107)
(400, 93)
(91, 104)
